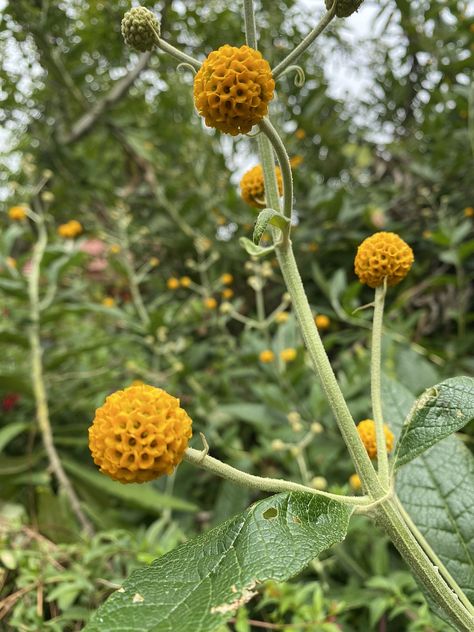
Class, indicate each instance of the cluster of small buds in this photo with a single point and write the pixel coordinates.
(140, 29)
(294, 419)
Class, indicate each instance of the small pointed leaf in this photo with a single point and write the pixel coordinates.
(254, 250)
(265, 217)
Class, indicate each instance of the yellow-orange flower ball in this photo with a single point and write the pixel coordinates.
(140, 433)
(288, 355)
(383, 255)
(366, 430)
(322, 321)
(226, 278)
(266, 356)
(172, 283)
(210, 303)
(70, 229)
(17, 213)
(355, 482)
(233, 88)
(252, 186)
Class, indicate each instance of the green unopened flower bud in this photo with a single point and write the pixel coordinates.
(344, 8)
(319, 482)
(139, 29)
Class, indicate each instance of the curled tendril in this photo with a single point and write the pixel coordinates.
(300, 76)
(185, 66)
(253, 134)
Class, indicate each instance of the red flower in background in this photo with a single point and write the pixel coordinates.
(10, 401)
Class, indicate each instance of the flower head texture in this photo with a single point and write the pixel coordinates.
(233, 88)
(138, 28)
(252, 186)
(140, 433)
(366, 430)
(383, 255)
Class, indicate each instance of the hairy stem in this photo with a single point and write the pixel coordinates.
(39, 390)
(375, 384)
(280, 150)
(275, 485)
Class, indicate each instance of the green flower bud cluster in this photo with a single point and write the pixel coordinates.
(344, 8)
(139, 29)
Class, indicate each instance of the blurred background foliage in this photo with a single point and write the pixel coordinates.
(128, 299)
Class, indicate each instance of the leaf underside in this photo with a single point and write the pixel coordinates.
(200, 585)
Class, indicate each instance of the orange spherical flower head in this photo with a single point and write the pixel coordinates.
(322, 321)
(355, 482)
(17, 213)
(140, 433)
(252, 186)
(383, 255)
(366, 430)
(233, 88)
(266, 356)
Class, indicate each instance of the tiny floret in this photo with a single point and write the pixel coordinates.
(383, 255)
(140, 433)
(140, 28)
(252, 186)
(366, 430)
(233, 88)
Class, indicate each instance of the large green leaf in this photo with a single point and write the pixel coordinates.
(143, 496)
(440, 411)
(437, 490)
(199, 585)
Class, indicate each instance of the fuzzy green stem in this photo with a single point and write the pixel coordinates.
(323, 368)
(280, 150)
(177, 54)
(274, 485)
(308, 40)
(250, 26)
(375, 384)
(39, 389)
